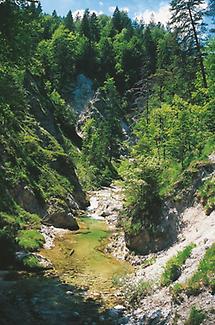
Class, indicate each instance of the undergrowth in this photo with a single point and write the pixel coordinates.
(137, 291)
(172, 270)
(203, 278)
(30, 240)
(196, 317)
(205, 275)
(206, 195)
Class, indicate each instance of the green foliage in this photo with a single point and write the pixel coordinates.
(138, 291)
(30, 262)
(142, 200)
(148, 261)
(172, 269)
(102, 140)
(176, 290)
(172, 124)
(186, 20)
(10, 224)
(168, 177)
(206, 195)
(196, 317)
(30, 240)
(204, 277)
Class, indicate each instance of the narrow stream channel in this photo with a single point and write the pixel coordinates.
(79, 260)
(82, 288)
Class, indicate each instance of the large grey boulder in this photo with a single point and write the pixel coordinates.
(60, 216)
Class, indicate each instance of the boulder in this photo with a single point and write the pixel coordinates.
(27, 199)
(61, 219)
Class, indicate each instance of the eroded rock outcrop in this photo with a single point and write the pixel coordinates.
(60, 217)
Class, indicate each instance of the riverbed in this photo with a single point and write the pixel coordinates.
(79, 260)
(85, 283)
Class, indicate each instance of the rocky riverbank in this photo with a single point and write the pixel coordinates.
(135, 299)
(156, 304)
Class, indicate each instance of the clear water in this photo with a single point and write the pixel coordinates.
(79, 260)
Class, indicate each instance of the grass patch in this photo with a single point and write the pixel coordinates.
(138, 291)
(168, 177)
(118, 280)
(196, 317)
(30, 240)
(206, 195)
(205, 275)
(31, 263)
(149, 261)
(172, 270)
(189, 176)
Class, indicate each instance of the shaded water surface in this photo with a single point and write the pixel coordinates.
(80, 292)
(79, 260)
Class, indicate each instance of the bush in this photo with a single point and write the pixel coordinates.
(31, 263)
(30, 240)
(172, 270)
(206, 194)
(196, 317)
(176, 290)
(204, 277)
(138, 291)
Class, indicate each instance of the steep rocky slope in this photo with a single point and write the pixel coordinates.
(149, 300)
(38, 178)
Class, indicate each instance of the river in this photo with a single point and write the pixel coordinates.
(84, 285)
(79, 260)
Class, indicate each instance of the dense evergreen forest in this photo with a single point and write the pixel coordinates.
(150, 123)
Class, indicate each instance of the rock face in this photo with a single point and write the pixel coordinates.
(169, 222)
(97, 108)
(61, 219)
(41, 197)
(154, 236)
(42, 262)
(27, 199)
(60, 215)
(82, 93)
(42, 108)
(106, 204)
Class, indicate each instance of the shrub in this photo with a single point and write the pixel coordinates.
(196, 317)
(172, 270)
(206, 194)
(138, 291)
(176, 291)
(30, 240)
(205, 276)
(31, 263)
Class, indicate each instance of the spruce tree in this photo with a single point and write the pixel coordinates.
(69, 22)
(186, 18)
(85, 24)
(94, 27)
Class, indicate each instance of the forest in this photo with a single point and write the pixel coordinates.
(149, 124)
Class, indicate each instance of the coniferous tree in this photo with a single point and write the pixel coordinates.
(120, 20)
(85, 24)
(54, 14)
(94, 28)
(150, 50)
(116, 20)
(186, 19)
(39, 9)
(69, 22)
